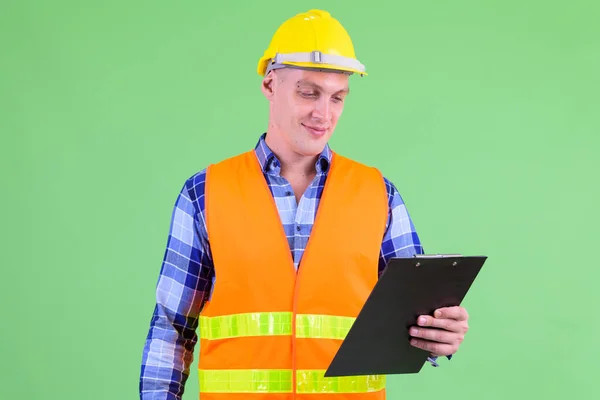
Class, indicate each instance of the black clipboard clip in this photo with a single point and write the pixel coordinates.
(436, 255)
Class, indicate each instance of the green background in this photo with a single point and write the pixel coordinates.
(485, 114)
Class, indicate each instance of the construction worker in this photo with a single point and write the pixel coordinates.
(271, 253)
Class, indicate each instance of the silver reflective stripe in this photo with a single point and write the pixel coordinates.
(319, 58)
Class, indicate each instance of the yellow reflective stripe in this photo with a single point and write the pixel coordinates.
(322, 326)
(245, 381)
(250, 324)
(309, 326)
(280, 381)
(315, 382)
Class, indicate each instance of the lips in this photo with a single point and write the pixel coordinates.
(316, 131)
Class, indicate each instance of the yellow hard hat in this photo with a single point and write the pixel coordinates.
(311, 40)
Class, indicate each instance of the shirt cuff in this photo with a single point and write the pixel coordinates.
(433, 360)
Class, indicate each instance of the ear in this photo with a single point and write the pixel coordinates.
(267, 85)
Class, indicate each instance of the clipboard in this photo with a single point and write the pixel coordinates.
(378, 341)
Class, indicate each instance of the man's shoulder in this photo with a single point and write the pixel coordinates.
(196, 180)
(390, 187)
(197, 177)
(196, 183)
(193, 189)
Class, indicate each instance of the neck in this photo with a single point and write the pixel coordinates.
(292, 163)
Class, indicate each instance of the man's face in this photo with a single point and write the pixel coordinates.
(305, 107)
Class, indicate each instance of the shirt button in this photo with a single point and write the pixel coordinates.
(288, 193)
(298, 228)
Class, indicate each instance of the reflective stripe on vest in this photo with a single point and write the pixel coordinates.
(274, 323)
(280, 381)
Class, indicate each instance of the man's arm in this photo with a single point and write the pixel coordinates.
(184, 283)
(400, 238)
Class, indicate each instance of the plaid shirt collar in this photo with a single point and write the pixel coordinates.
(271, 165)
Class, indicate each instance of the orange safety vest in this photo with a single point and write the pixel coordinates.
(268, 332)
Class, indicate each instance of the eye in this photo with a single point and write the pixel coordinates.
(338, 99)
(308, 95)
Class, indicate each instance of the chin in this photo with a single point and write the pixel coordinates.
(308, 145)
(312, 150)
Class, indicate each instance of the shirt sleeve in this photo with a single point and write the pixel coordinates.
(184, 283)
(400, 238)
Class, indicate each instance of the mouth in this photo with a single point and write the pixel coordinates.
(316, 131)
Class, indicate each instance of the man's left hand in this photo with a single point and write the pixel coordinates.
(441, 334)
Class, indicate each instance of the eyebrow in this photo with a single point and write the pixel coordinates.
(304, 82)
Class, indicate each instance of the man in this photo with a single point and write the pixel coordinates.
(272, 252)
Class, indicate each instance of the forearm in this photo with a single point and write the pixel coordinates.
(183, 287)
(168, 354)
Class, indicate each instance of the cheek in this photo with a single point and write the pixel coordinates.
(283, 112)
(336, 113)
(301, 111)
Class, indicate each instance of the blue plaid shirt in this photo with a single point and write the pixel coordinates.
(187, 276)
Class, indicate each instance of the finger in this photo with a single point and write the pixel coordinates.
(436, 348)
(435, 335)
(456, 313)
(446, 324)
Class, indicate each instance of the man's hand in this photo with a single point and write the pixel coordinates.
(442, 335)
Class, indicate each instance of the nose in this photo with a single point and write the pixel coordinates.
(322, 110)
